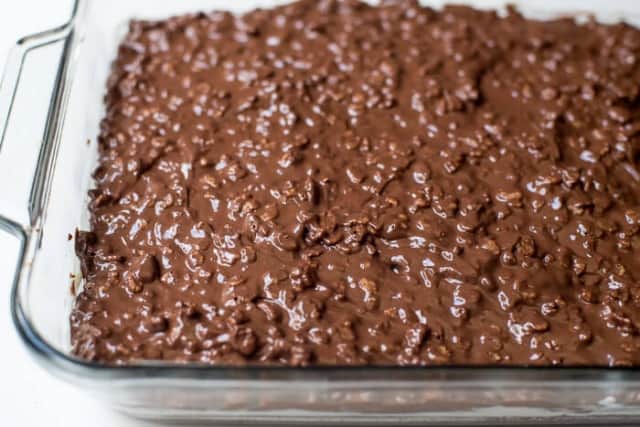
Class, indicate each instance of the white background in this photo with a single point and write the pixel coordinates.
(29, 396)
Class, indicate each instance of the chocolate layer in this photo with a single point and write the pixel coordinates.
(338, 183)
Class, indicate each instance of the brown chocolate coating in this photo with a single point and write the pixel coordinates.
(339, 183)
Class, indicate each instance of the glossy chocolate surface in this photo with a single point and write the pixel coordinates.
(338, 183)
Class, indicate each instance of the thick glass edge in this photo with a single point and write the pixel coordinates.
(68, 364)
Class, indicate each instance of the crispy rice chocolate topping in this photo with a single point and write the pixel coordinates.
(338, 183)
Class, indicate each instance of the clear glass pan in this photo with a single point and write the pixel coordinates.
(50, 107)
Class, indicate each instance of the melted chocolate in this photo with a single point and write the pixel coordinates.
(339, 183)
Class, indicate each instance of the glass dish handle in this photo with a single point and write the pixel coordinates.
(31, 107)
(30, 99)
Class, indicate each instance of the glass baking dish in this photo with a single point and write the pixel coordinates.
(51, 105)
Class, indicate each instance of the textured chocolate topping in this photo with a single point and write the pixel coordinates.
(338, 183)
